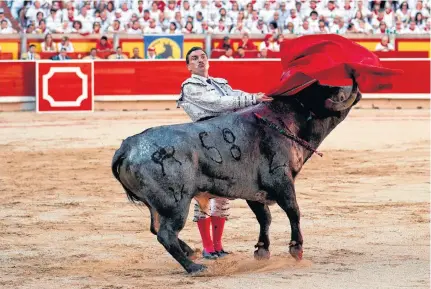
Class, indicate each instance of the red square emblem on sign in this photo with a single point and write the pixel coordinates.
(64, 86)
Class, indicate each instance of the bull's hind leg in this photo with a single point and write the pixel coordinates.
(286, 199)
(263, 216)
(154, 228)
(170, 226)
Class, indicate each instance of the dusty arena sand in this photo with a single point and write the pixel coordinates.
(66, 223)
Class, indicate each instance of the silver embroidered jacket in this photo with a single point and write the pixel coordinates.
(201, 99)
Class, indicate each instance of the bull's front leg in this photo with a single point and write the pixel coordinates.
(263, 216)
(286, 199)
(170, 226)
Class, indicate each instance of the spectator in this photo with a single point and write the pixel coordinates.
(227, 55)
(226, 43)
(103, 45)
(263, 53)
(240, 52)
(93, 55)
(277, 44)
(136, 53)
(62, 55)
(65, 43)
(48, 45)
(119, 54)
(5, 28)
(135, 29)
(403, 12)
(305, 29)
(31, 54)
(173, 29)
(151, 53)
(42, 29)
(384, 45)
(3, 18)
(420, 21)
(246, 43)
(412, 28)
(115, 27)
(188, 28)
(153, 28)
(268, 43)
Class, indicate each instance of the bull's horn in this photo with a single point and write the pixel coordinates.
(344, 103)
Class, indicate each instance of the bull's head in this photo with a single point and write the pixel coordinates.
(342, 98)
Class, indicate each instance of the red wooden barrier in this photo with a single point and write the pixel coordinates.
(160, 77)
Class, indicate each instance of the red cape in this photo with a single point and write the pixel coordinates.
(331, 60)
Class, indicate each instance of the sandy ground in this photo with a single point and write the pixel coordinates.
(66, 223)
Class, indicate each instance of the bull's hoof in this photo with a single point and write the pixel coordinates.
(295, 250)
(196, 268)
(262, 254)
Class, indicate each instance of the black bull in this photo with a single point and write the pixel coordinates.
(234, 156)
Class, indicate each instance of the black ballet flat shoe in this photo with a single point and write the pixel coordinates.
(222, 253)
(210, 255)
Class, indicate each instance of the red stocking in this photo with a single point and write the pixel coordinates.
(204, 226)
(218, 226)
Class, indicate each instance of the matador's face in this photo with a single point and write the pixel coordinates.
(198, 63)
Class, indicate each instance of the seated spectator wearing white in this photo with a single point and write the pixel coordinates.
(118, 55)
(300, 11)
(3, 18)
(78, 28)
(347, 11)
(162, 22)
(267, 13)
(5, 28)
(338, 26)
(30, 29)
(294, 19)
(351, 29)
(312, 7)
(221, 28)
(61, 56)
(419, 9)
(252, 19)
(48, 44)
(239, 28)
(198, 20)
(403, 12)
(65, 28)
(321, 29)
(42, 29)
(155, 11)
(399, 27)
(363, 9)
(331, 12)
(313, 20)
(384, 45)
(364, 27)
(173, 29)
(135, 29)
(115, 27)
(227, 55)
(152, 28)
(233, 9)
(118, 17)
(103, 20)
(204, 28)
(31, 54)
(260, 28)
(375, 22)
(358, 16)
(93, 55)
(86, 19)
(412, 28)
(268, 43)
(389, 15)
(305, 29)
(188, 28)
(126, 13)
(273, 28)
(32, 12)
(97, 28)
(420, 21)
(228, 22)
(54, 20)
(170, 10)
(65, 43)
(146, 19)
(205, 8)
(290, 28)
(382, 29)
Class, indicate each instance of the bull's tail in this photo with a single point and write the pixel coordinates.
(117, 162)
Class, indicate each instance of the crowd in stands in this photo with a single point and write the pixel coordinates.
(300, 17)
